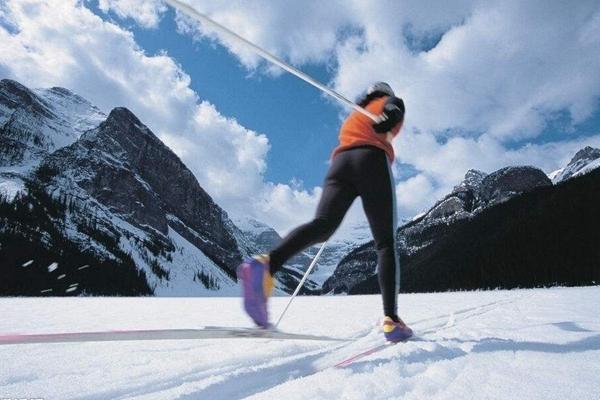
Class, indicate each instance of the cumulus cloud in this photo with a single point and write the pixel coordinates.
(145, 12)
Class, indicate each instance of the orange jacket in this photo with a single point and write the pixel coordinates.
(357, 130)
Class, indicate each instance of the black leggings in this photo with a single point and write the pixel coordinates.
(365, 172)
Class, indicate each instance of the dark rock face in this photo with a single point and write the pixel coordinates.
(461, 202)
(357, 267)
(13, 95)
(506, 182)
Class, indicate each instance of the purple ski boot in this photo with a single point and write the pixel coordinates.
(396, 331)
(257, 285)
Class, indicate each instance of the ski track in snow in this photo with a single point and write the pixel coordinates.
(529, 344)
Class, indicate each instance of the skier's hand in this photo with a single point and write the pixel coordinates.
(393, 114)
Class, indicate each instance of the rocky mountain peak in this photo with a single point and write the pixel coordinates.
(506, 182)
(122, 121)
(474, 177)
(588, 153)
(133, 136)
(472, 181)
(584, 161)
(61, 91)
(122, 117)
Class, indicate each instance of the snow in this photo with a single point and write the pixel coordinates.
(52, 267)
(552, 175)
(588, 167)
(527, 344)
(419, 216)
(578, 166)
(187, 261)
(74, 115)
(9, 188)
(250, 225)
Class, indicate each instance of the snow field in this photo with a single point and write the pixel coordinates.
(520, 344)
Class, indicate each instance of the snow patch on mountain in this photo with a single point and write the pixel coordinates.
(346, 239)
(584, 161)
(10, 186)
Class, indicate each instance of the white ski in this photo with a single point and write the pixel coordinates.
(208, 332)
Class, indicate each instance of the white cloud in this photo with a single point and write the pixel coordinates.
(502, 71)
(144, 12)
(414, 193)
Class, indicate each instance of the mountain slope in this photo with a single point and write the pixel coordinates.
(126, 210)
(126, 197)
(485, 234)
(584, 161)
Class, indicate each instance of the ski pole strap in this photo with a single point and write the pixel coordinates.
(193, 13)
(310, 268)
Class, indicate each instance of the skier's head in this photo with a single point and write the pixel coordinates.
(375, 91)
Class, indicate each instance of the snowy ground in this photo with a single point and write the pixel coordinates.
(522, 344)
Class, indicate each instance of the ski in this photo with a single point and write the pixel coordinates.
(375, 349)
(346, 362)
(208, 332)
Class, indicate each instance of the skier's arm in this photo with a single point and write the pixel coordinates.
(393, 114)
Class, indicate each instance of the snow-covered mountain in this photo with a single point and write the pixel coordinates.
(127, 216)
(584, 161)
(138, 191)
(436, 247)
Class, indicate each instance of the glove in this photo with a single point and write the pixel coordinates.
(393, 114)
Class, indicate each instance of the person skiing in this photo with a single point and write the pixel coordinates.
(360, 166)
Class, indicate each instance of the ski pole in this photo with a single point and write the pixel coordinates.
(193, 13)
(312, 265)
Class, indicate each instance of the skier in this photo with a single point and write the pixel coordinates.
(360, 167)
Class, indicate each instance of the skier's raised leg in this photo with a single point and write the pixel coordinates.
(256, 274)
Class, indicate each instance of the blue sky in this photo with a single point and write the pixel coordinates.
(486, 83)
(302, 125)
